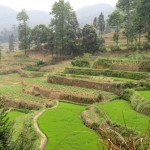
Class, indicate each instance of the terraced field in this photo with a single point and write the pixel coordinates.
(63, 125)
(65, 130)
(120, 112)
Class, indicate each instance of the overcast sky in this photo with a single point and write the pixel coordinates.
(47, 4)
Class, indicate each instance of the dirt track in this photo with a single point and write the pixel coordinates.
(43, 136)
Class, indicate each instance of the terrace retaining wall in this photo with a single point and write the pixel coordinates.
(109, 87)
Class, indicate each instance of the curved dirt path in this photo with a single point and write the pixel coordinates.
(43, 136)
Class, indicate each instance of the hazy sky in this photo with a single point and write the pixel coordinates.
(47, 4)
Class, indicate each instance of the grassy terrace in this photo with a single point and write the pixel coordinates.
(95, 78)
(145, 94)
(14, 92)
(43, 82)
(65, 130)
(119, 109)
(10, 86)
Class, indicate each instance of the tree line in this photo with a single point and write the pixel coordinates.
(133, 16)
(63, 35)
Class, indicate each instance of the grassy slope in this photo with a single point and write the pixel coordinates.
(145, 94)
(119, 108)
(65, 130)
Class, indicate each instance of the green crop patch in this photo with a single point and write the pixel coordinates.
(14, 114)
(120, 112)
(145, 94)
(65, 130)
(15, 92)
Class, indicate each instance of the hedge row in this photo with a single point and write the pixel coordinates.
(108, 72)
(140, 65)
(120, 61)
(138, 103)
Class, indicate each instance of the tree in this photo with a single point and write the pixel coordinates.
(101, 24)
(95, 23)
(65, 27)
(22, 17)
(11, 42)
(115, 20)
(143, 10)
(126, 7)
(89, 39)
(5, 131)
(40, 35)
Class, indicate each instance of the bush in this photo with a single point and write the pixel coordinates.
(79, 62)
(102, 61)
(133, 48)
(102, 49)
(146, 46)
(115, 48)
(39, 63)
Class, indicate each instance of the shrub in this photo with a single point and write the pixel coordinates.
(102, 49)
(103, 62)
(133, 48)
(79, 62)
(115, 48)
(39, 63)
(146, 46)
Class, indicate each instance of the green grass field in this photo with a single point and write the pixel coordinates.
(14, 114)
(65, 130)
(145, 94)
(134, 120)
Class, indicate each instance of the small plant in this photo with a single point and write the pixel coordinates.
(79, 62)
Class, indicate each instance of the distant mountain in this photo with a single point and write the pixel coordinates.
(38, 17)
(87, 14)
(8, 17)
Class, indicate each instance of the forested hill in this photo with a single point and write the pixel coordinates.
(85, 15)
